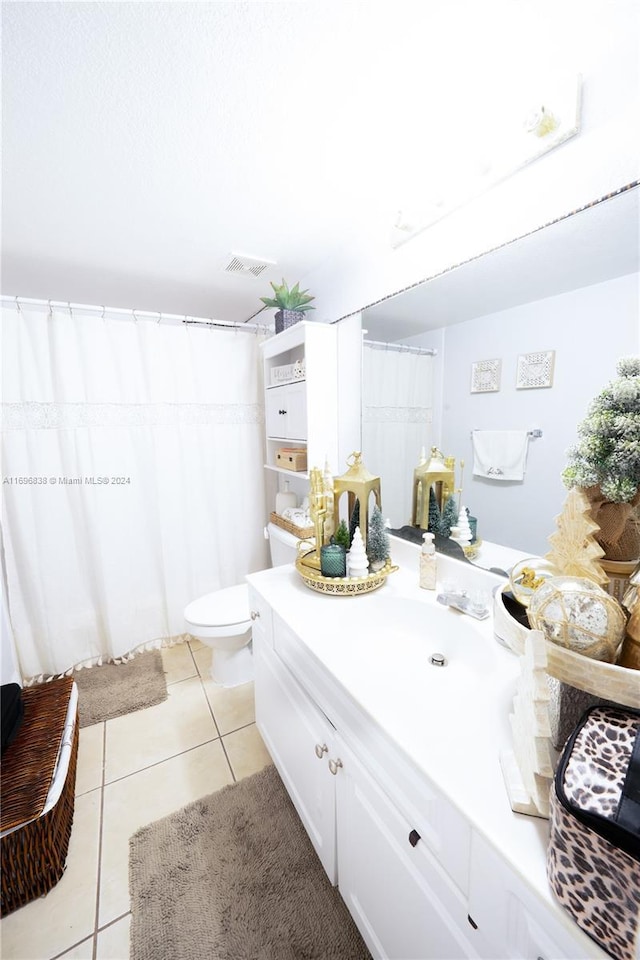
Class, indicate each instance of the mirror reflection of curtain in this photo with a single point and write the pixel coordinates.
(135, 455)
(397, 401)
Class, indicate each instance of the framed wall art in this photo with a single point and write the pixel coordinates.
(535, 370)
(485, 376)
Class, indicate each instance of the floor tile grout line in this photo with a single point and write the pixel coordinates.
(110, 923)
(157, 763)
(72, 947)
(100, 835)
(213, 716)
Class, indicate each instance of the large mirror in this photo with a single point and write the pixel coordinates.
(553, 311)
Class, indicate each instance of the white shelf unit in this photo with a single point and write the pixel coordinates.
(303, 413)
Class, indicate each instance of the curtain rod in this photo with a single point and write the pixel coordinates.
(122, 313)
(400, 347)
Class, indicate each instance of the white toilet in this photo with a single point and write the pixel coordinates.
(222, 619)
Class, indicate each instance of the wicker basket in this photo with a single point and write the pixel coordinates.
(607, 680)
(34, 855)
(302, 532)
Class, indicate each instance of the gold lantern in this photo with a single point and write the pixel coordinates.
(437, 474)
(358, 484)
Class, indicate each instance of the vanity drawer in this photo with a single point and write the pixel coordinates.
(404, 903)
(516, 922)
(261, 617)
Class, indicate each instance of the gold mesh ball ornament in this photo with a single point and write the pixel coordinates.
(528, 575)
(576, 613)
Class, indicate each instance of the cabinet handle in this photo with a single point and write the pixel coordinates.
(282, 411)
(255, 614)
(321, 748)
(334, 766)
(414, 836)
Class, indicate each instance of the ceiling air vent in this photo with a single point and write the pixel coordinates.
(243, 266)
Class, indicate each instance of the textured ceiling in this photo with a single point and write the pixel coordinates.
(144, 142)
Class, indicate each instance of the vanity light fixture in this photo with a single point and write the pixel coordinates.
(523, 136)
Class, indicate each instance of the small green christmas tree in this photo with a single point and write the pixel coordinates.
(608, 452)
(433, 524)
(341, 535)
(449, 518)
(355, 520)
(377, 538)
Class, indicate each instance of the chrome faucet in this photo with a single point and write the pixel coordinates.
(460, 600)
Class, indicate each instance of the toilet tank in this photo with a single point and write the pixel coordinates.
(283, 546)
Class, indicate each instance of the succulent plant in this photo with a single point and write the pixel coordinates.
(289, 299)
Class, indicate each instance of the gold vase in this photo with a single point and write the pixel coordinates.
(629, 655)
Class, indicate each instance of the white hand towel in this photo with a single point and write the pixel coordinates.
(500, 454)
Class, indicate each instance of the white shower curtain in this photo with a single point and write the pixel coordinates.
(397, 388)
(132, 479)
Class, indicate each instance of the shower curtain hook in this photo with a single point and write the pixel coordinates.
(103, 309)
(18, 307)
(50, 317)
(134, 316)
(159, 318)
(70, 310)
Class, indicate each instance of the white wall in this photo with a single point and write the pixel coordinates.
(589, 329)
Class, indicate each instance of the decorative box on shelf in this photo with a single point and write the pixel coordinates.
(292, 458)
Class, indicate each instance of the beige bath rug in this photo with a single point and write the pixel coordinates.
(118, 688)
(233, 876)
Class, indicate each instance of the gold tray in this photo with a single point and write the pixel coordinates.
(343, 586)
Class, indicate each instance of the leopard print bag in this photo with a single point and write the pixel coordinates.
(593, 859)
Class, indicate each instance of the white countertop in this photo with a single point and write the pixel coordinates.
(450, 722)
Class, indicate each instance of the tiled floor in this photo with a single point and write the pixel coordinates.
(131, 771)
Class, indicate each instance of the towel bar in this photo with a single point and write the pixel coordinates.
(534, 434)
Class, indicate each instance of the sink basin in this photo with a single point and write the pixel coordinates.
(381, 648)
(421, 630)
(405, 634)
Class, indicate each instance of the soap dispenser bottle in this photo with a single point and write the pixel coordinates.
(285, 499)
(428, 563)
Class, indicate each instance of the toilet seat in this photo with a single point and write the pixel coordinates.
(228, 608)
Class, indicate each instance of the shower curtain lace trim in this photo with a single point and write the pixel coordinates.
(397, 414)
(158, 644)
(54, 416)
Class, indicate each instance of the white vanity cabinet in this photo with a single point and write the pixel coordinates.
(404, 800)
(403, 901)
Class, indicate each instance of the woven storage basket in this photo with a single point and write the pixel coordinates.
(34, 855)
(302, 532)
